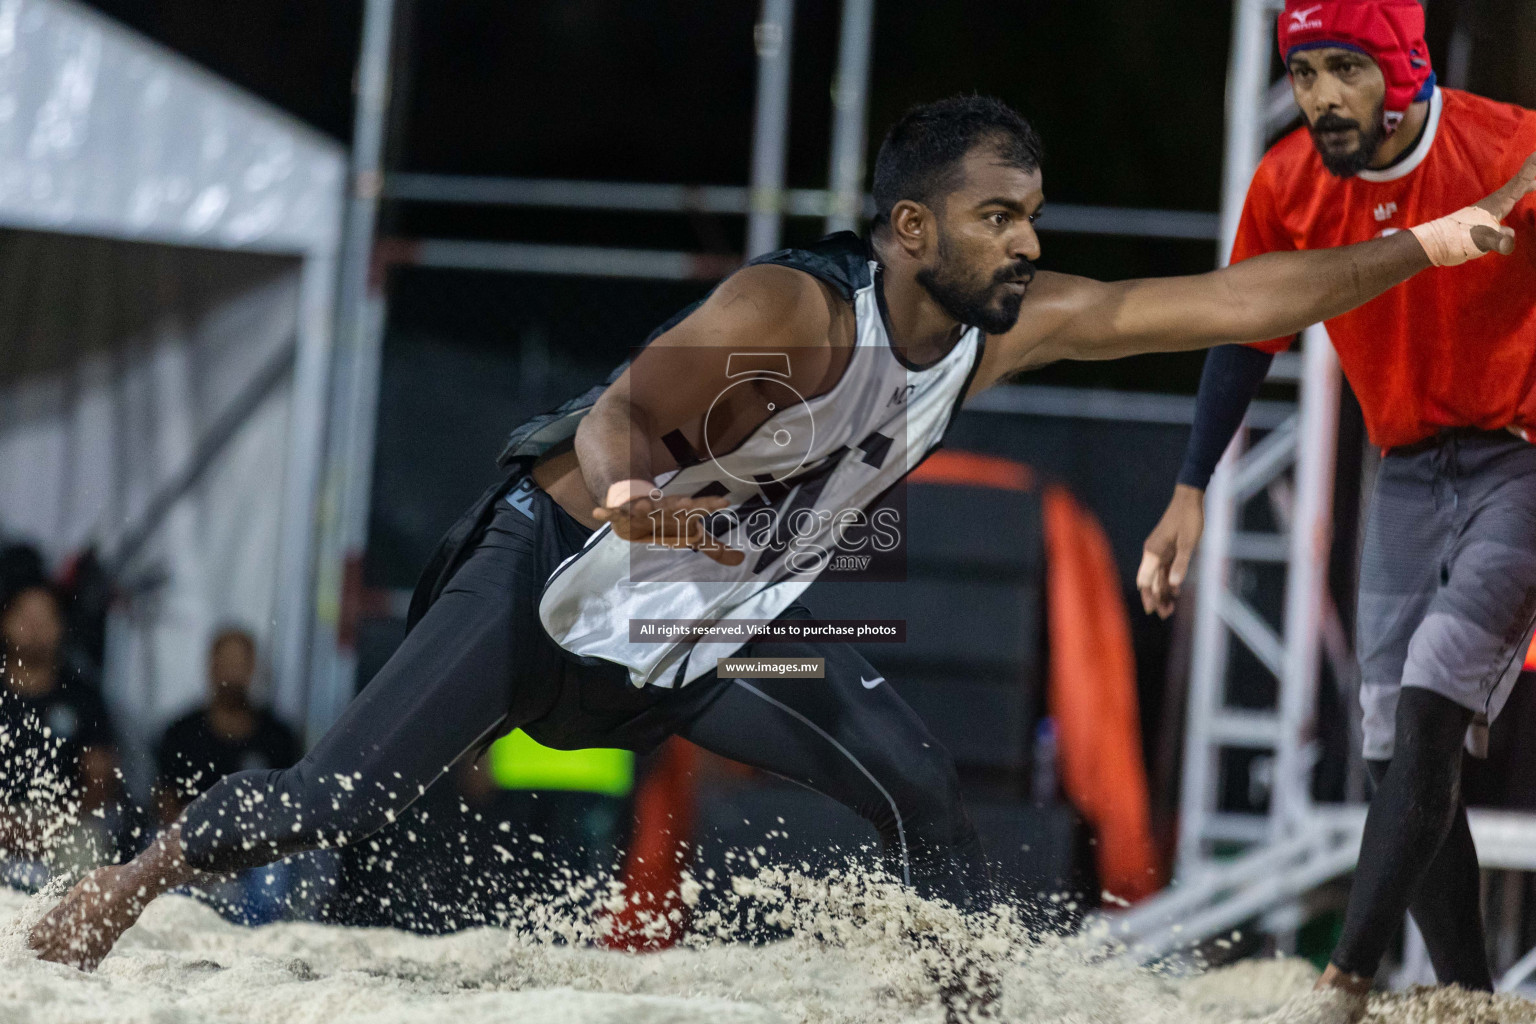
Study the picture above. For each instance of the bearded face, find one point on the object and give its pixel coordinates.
(1347, 146)
(1343, 95)
(987, 298)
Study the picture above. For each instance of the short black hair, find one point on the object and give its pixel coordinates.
(22, 569)
(921, 155)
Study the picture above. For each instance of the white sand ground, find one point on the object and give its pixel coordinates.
(848, 962)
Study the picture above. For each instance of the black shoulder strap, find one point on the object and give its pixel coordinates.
(841, 260)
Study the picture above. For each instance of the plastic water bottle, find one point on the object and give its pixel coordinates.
(1042, 777)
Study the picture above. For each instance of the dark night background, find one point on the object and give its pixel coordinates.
(1128, 96)
(1130, 107)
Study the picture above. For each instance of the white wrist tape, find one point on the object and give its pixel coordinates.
(1448, 241)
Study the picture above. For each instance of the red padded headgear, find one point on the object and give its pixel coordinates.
(1390, 32)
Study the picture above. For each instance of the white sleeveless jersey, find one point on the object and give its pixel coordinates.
(838, 451)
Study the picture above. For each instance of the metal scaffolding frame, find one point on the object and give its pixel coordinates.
(1297, 845)
(774, 38)
(1305, 443)
(346, 483)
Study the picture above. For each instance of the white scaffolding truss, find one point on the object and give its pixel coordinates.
(1306, 443)
(1296, 845)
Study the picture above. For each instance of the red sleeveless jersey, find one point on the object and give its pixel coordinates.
(1454, 346)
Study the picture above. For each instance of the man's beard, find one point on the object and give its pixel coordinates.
(974, 305)
(1347, 165)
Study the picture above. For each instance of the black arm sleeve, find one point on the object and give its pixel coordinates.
(1232, 377)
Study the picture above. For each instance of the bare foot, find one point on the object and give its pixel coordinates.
(86, 924)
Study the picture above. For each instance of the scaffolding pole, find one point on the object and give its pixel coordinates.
(1247, 105)
(648, 197)
(850, 101)
(774, 38)
(294, 615)
(1306, 584)
(355, 392)
(1220, 614)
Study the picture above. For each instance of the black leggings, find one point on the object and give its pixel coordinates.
(479, 663)
(1417, 853)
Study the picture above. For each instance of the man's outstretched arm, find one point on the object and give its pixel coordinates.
(1265, 297)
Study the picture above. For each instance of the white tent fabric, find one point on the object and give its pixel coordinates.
(166, 244)
(116, 359)
(103, 132)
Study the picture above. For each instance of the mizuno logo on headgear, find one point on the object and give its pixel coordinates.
(1299, 18)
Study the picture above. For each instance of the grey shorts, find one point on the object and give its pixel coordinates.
(1447, 578)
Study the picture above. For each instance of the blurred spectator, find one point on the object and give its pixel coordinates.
(84, 595)
(61, 795)
(227, 735)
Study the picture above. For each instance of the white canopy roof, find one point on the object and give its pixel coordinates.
(103, 132)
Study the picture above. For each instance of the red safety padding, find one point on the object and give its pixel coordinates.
(654, 916)
(1091, 692)
(972, 469)
(1091, 686)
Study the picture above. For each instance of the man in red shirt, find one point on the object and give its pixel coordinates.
(1445, 370)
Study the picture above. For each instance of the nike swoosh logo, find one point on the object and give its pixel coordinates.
(870, 684)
